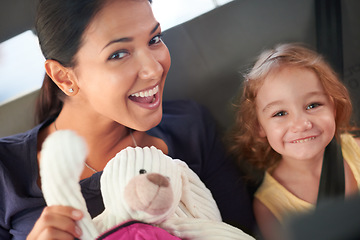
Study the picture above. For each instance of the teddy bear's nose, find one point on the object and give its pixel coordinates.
(158, 179)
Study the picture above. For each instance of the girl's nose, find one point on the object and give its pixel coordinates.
(150, 67)
(301, 124)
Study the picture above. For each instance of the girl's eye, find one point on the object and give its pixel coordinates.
(118, 55)
(280, 114)
(313, 105)
(156, 39)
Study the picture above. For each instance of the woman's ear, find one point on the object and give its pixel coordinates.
(62, 76)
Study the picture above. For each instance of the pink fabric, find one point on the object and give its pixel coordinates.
(137, 231)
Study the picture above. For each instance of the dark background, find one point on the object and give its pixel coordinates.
(210, 52)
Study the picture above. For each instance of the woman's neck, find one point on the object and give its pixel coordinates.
(103, 137)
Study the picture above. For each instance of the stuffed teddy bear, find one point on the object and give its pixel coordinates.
(140, 184)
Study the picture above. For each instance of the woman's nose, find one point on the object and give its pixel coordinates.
(301, 124)
(150, 67)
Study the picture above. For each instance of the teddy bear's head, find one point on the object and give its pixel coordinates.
(150, 193)
(141, 183)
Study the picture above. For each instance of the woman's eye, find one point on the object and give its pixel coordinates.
(313, 105)
(156, 39)
(118, 55)
(280, 114)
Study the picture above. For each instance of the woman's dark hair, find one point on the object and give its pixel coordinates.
(60, 25)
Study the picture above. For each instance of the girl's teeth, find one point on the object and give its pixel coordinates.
(148, 93)
(304, 140)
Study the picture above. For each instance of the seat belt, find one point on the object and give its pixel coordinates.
(332, 179)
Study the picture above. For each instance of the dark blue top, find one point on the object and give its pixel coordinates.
(190, 134)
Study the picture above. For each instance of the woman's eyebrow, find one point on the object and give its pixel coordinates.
(125, 39)
(129, 39)
(155, 28)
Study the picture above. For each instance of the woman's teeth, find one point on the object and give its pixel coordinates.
(303, 140)
(148, 93)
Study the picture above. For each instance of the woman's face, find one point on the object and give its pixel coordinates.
(122, 65)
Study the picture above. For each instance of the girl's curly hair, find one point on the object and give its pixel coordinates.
(245, 142)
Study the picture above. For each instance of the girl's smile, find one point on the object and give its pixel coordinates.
(295, 114)
(303, 140)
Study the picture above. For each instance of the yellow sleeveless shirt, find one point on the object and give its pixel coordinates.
(281, 202)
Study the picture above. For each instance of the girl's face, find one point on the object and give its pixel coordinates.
(295, 113)
(122, 66)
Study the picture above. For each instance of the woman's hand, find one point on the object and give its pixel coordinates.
(57, 222)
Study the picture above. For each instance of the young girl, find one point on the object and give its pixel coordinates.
(292, 106)
(106, 66)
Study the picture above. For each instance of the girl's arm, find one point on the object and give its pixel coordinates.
(268, 225)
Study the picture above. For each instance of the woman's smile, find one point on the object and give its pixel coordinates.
(146, 93)
(149, 98)
(133, 78)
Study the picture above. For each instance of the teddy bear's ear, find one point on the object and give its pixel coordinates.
(61, 163)
(196, 199)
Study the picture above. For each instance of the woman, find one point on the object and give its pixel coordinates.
(106, 67)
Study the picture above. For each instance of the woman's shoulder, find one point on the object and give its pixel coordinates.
(187, 113)
(23, 137)
(16, 141)
(188, 108)
(19, 146)
(186, 117)
(187, 128)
